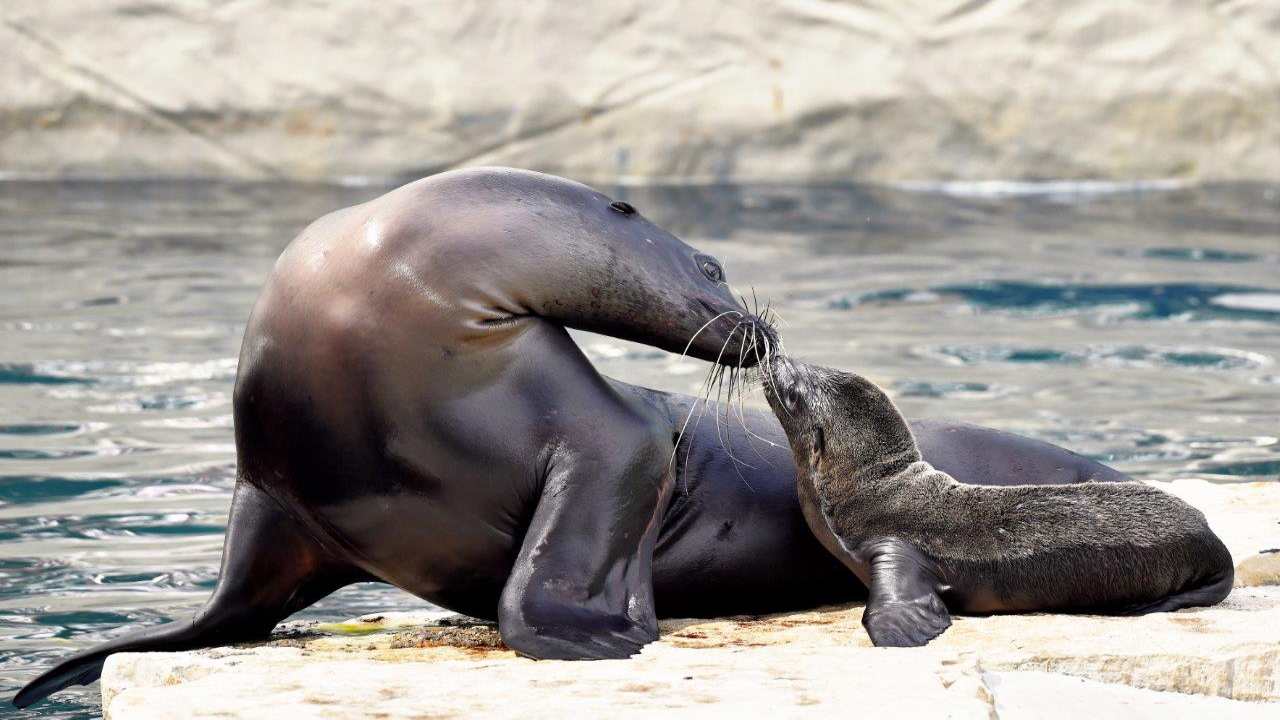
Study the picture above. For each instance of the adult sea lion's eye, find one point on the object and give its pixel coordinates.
(625, 208)
(712, 271)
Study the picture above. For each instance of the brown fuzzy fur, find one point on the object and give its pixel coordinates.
(1103, 547)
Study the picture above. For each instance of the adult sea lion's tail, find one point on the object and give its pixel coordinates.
(271, 568)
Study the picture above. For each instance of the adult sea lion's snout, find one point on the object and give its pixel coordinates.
(758, 341)
(731, 335)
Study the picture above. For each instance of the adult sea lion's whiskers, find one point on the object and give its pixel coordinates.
(683, 354)
(768, 309)
(736, 383)
(683, 479)
(705, 398)
(684, 427)
(743, 420)
(706, 325)
(719, 385)
(719, 379)
(734, 460)
(742, 384)
(769, 352)
(715, 378)
(717, 375)
(689, 449)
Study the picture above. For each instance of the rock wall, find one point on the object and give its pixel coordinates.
(620, 91)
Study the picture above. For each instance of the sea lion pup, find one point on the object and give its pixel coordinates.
(925, 544)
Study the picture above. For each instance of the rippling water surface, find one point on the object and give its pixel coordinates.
(1140, 328)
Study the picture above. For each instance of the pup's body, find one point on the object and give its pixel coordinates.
(924, 543)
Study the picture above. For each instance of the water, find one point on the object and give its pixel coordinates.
(1141, 328)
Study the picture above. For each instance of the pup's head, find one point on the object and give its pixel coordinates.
(837, 422)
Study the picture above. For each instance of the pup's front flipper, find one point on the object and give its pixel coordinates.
(904, 607)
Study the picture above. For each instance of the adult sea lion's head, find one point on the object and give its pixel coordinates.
(563, 251)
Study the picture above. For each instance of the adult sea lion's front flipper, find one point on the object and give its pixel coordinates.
(582, 584)
(904, 603)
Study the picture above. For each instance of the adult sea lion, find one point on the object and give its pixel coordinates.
(410, 409)
(925, 544)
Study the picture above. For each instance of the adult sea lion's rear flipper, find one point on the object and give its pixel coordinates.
(582, 584)
(904, 604)
(270, 569)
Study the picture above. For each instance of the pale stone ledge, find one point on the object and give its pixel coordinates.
(1208, 662)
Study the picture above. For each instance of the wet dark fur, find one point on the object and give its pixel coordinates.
(1098, 547)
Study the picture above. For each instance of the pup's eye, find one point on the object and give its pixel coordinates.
(625, 208)
(713, 271)
(793, 399)
(819, 441)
